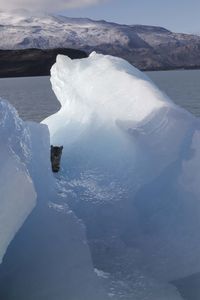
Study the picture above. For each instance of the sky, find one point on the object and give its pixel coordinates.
(175, 15)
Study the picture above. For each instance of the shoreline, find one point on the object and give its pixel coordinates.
(25, 75)
(35, 62)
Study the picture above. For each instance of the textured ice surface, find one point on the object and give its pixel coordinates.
(49, 257)
(17, 192)
(24, 172)
(129, 168)
(101, 89)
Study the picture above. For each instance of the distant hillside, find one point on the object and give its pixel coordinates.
(146, 47)
(32, 62)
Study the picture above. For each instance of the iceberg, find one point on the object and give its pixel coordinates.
(15, 203)
(43, 248)
(121, 218)
(130, 168)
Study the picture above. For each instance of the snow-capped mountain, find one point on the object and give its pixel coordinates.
(21, 32)
(147, 47)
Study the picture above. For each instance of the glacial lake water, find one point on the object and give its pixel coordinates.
(35, 100)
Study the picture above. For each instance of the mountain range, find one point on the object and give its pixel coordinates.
(146, 47)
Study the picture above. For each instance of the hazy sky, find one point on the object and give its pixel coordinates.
(176, 15)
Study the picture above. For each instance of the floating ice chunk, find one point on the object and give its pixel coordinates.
(17, 199)
(60, 266)
(119, 130)
(100, 89)
(17, 192)
(25, 170)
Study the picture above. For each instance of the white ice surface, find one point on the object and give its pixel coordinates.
(17, 192)
(104, 89)
(130, 160)
(25, 175)
(25, 172)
